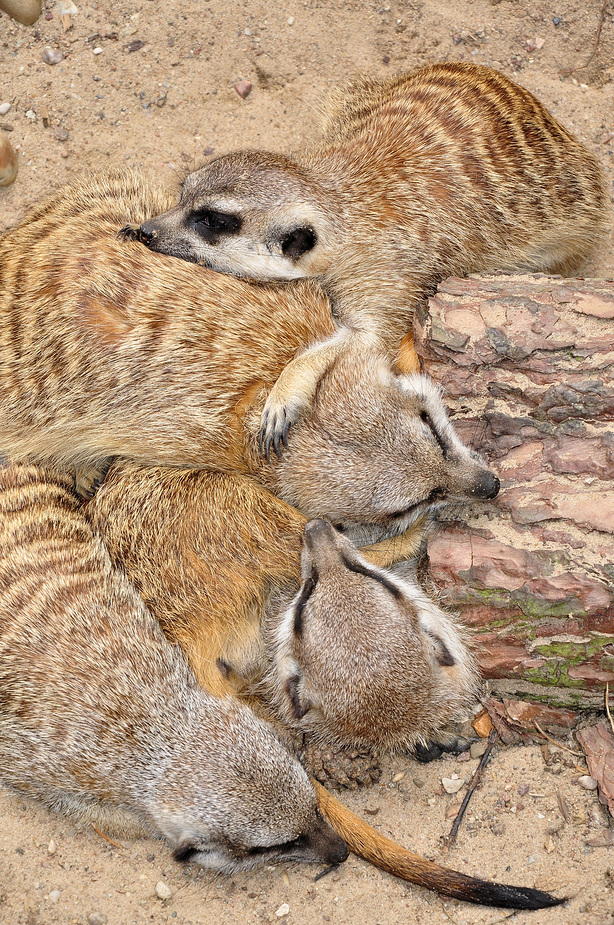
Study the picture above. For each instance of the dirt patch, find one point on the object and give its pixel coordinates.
(152, 84)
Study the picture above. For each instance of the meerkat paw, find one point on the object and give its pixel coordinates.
(129, 232)
(277, 419)
(88, 481)
(455, 745)
(341, 769)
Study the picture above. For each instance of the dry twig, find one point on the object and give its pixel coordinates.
(475, 780)
(554, 742)
(607, 704)
(568, 71)
(106, 837)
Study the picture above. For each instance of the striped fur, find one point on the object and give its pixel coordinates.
(101, 717)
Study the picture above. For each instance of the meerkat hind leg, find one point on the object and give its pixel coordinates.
(294, 390)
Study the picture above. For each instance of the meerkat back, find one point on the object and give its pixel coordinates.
(101, 717)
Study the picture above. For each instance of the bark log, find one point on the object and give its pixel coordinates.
(527, 365)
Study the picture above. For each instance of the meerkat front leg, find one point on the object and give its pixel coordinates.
(294, 390)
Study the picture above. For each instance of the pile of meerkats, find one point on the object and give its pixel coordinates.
(214, 481)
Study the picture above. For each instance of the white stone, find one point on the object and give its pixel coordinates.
(451, 784)
(163, 890)
(4, 108)
(589, 783)
(283, 910)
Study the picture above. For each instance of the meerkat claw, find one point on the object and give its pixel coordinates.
(129, 232)
(274, 432)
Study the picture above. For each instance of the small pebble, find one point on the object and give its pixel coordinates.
(589, 783)
(31, 115)
(397, 777)
(98, 51)
(523, 789)
(51, 847)
(54, 896)
(283, 910)
(4, 108)
(60, 133)
(97, 918)
(451, 784)
(52, 55)
(243, 88)
(557, 20)
(290, 20)
(531, 859)
(8, 162)
(163, 890)
(477, 749)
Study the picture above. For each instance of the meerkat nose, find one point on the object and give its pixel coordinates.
(317, 530)
(487, 485)
(148, 232)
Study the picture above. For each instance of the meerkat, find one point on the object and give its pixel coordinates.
(101, 717)
(448, 170)
(109, 350)
(355, 657)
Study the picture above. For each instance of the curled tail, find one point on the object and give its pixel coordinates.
(366, 842)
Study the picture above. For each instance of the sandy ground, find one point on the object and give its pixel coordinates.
(153, 84)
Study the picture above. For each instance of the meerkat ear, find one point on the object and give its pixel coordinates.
(298, 241)
(442, 653)
(299, 708)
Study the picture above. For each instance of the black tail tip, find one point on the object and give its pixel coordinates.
(522, 897)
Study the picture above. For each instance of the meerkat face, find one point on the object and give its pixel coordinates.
(364, 658)
(245, 802)
(249, 214)
(379, 450)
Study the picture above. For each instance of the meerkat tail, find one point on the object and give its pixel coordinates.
(369, 844)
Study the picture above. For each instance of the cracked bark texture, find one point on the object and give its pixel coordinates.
(527, 365)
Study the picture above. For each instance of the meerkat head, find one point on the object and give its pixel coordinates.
(378, 449)
(363, 658)
(239, 799)
(249, 214)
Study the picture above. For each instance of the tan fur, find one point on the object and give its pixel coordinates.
(109, 350)
(101, 717)
(450, 169)
(218, 560)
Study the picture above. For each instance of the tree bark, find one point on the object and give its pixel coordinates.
(527, 365)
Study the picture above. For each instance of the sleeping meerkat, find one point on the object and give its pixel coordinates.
(358, 658)
(101, 718)
(110, 350)
(450, 169)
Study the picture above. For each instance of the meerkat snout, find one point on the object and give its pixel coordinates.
(487, 485)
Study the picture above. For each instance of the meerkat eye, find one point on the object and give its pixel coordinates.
(381, 579)
(298, 242)
(306, 592)
(427, 419)
(212, 225)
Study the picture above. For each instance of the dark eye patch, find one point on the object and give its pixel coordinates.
(427, 419)
(438, 494)
(212, 225)
(361, 569)
(298, 242)
(305, 593)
